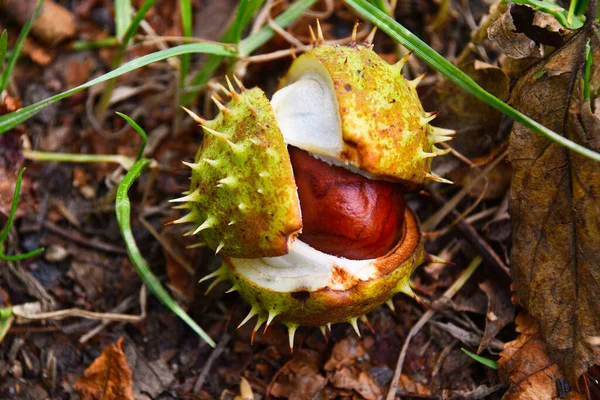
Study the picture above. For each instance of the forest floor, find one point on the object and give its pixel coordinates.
(144, 350)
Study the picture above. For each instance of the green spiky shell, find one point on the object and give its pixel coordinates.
(242, 196)
(326, 306)
(386, 133)
(385, 130)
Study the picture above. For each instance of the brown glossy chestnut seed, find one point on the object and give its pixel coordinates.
(346, 214)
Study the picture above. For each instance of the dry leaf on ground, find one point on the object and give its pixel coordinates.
(520, 31)
(300, 378)
(509, 39)
(555, 206)
(527, 368)
(108, 377)
(345, 371)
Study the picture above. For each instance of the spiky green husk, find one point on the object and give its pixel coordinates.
(385, 130)
(242, 197)
(326, 306)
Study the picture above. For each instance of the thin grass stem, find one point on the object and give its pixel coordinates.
(9, 223)
(125, 162)
(123, 210)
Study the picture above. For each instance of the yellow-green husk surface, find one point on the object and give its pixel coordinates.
(385, 130)
(326, 306)
(242, 196)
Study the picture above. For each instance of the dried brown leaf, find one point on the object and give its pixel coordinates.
(108, 377)
(555, 207)
(520, 33)
(507, 37)
(527, 368)
(346, 370)
(353, 379)
(300, 378)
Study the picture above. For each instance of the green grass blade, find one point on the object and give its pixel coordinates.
(11, 120)
(124, 38)
(439, 63)
(587, 92)
(253, 42)
(186, 25)
(3, 47)
(136, 21)
(244, 15)
(6, 312)
(123, 210)
(13, 207)
(94, 44)
(122, 17)
(485, 361)
(12, 61)
(380, 4)
(571, 13)
(580, 6)
(9, 222)
(245, 12)
(5, 322)
(139, 130)
(210, 66)
(19, 257)
(250, 44)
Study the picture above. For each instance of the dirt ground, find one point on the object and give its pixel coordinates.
(68, 208)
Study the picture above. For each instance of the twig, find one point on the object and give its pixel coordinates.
(33, 287)
(473, 237)
(301, 49)
(448, 294)
(329, 9)
(76, 237)
(458, 155)
(471, 219)
(262, 16)
(128, 302)
(433, 221)
(153, 39)
(123, 161)
(211, 359)
(284, 34)
(22, 313)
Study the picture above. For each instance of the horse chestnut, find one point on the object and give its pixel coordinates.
(303, 194)
(343, 213)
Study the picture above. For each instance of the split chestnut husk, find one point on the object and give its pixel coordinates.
(303, 195)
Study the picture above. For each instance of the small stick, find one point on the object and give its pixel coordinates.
(448, 294)
(76, 237)
(211, 359)
(473, 237)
